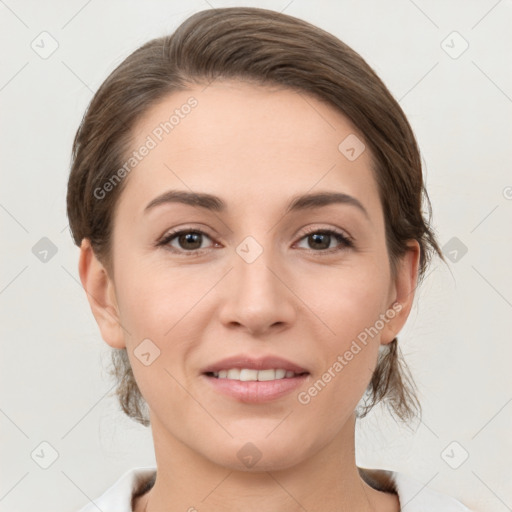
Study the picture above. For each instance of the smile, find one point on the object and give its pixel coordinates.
(248, 386)
(249, 374)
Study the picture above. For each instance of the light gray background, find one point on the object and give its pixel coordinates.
(54, 382)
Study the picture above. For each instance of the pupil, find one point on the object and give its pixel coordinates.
(191, 237)
(318, 237)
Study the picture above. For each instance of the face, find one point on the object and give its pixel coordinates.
(260, 276)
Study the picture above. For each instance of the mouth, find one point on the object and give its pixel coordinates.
(251, 375)
(254, 380)
(250, 386)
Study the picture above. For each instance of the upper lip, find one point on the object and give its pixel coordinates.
(260, 363)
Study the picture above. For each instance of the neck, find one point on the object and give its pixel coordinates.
(329, 480)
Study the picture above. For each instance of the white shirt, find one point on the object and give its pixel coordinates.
(412, 494)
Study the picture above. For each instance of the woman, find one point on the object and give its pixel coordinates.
(247, 198)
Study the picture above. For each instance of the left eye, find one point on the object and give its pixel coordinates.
(322, 239)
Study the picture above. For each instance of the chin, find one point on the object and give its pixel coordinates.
(261, 453)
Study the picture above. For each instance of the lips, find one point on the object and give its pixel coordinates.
(256, 392)
(253, 363)
(245, 388)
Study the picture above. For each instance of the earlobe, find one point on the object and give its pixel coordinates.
(404, 287)
(101, 295)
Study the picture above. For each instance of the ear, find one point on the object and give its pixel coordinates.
(402, 292)
(101, 295)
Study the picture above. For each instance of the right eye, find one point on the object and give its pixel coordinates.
(188, 240)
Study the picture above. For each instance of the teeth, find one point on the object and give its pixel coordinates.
(266, 375)
(246, 374)
(234, 373)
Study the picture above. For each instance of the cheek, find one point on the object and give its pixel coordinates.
(349, 303)
(153, 306)
(160, 310)
(153, 298)
(348, 300)
(350, 353)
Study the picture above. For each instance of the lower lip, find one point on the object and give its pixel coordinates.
(256, 391)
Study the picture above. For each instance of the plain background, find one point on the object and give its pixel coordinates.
(55, 386)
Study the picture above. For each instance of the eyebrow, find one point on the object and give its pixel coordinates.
(216, 204)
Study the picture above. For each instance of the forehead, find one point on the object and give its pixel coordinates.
(249, 144)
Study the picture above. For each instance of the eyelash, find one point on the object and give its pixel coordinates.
(346, 241)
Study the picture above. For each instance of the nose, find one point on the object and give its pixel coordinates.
(258, 296)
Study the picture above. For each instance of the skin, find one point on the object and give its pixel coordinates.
(255, 147)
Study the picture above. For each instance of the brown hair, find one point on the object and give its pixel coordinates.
(266, 48)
